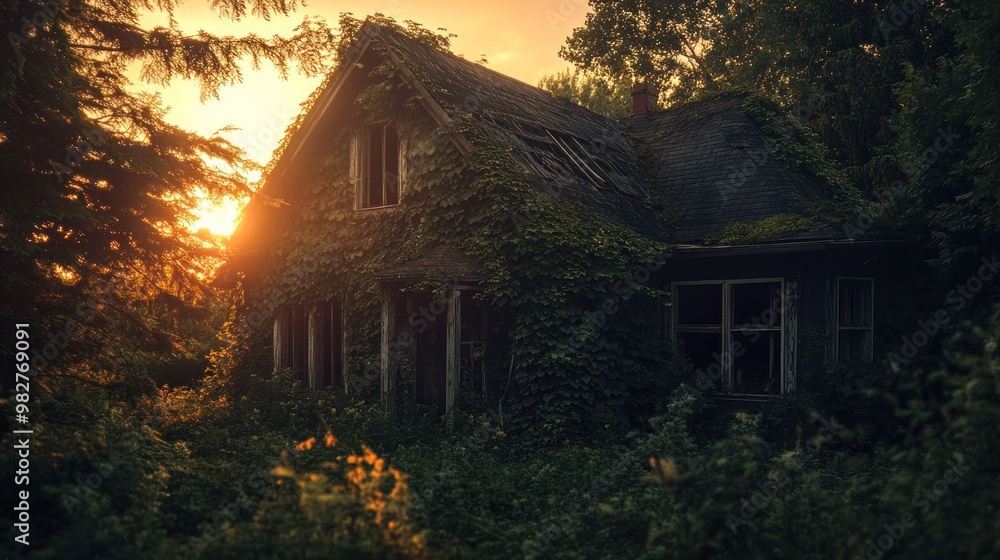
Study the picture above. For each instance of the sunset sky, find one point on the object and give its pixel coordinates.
(518, 38)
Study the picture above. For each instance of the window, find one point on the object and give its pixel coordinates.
(290, 340)
(853, 317)
(308, 340)
(326, 346)
(733, 333)
(472, 359)
(376, 166)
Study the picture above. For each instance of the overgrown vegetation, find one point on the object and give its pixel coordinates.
(895, 460)
(550, 270)
(286, 473)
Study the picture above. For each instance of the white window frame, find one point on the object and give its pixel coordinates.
(836, 317)
(359, 166)
(727, 327)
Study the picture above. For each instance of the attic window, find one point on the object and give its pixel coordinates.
(375, 162)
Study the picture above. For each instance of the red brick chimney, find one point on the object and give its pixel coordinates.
(643, 98)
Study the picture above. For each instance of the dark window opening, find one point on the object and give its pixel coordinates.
(472, 359)
(732, 334)
(291, 340)
(854, 320)
(755, 337)
(699, 304)
(757, 366)
(380, 181)
(329, 340)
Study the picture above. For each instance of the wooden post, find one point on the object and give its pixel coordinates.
(453, 350)
(388, 348)
(340, 320)
(276, 341)
(314, 361)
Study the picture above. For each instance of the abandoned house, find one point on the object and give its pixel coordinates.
(436, 232)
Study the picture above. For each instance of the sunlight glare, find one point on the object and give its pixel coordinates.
(219, 217)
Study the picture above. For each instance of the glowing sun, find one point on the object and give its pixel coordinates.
(219, 217)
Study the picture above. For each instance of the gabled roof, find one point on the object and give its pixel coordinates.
(710, 165)
(715, 167)
(567, 150)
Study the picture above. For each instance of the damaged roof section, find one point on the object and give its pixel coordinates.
(566, 150)
(681, 175)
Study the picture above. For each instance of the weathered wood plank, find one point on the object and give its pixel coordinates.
(388, 371)
(453, 350)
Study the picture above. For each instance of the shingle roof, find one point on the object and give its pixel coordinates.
(716, 167)
(710, 164)
(567, 150)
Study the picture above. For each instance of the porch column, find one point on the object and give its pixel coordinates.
(388, 350)
(315, 347)
(453, 350)
(276, 346)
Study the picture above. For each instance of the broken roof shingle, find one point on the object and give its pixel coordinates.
(567, 150)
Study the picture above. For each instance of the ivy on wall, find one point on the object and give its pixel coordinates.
(568, 289)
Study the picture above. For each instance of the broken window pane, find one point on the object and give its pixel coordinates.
(757, 368)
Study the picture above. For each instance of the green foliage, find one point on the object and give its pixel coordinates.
(764, 229)
(834, 64)
(947, 146)
(286, 473)
(559, 280)
(597, 94)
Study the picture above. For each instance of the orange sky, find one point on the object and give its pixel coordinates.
(519, 38)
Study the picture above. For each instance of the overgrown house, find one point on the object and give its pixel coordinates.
(438, 233)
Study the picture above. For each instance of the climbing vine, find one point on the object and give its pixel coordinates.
(568, 290)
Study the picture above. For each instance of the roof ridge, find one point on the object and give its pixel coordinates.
(477, 67)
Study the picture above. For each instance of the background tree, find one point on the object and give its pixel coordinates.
(948, 191)
(96, 183)
(597, 94)
(832, 63)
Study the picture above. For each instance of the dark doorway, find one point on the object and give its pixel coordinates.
(430, 326)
